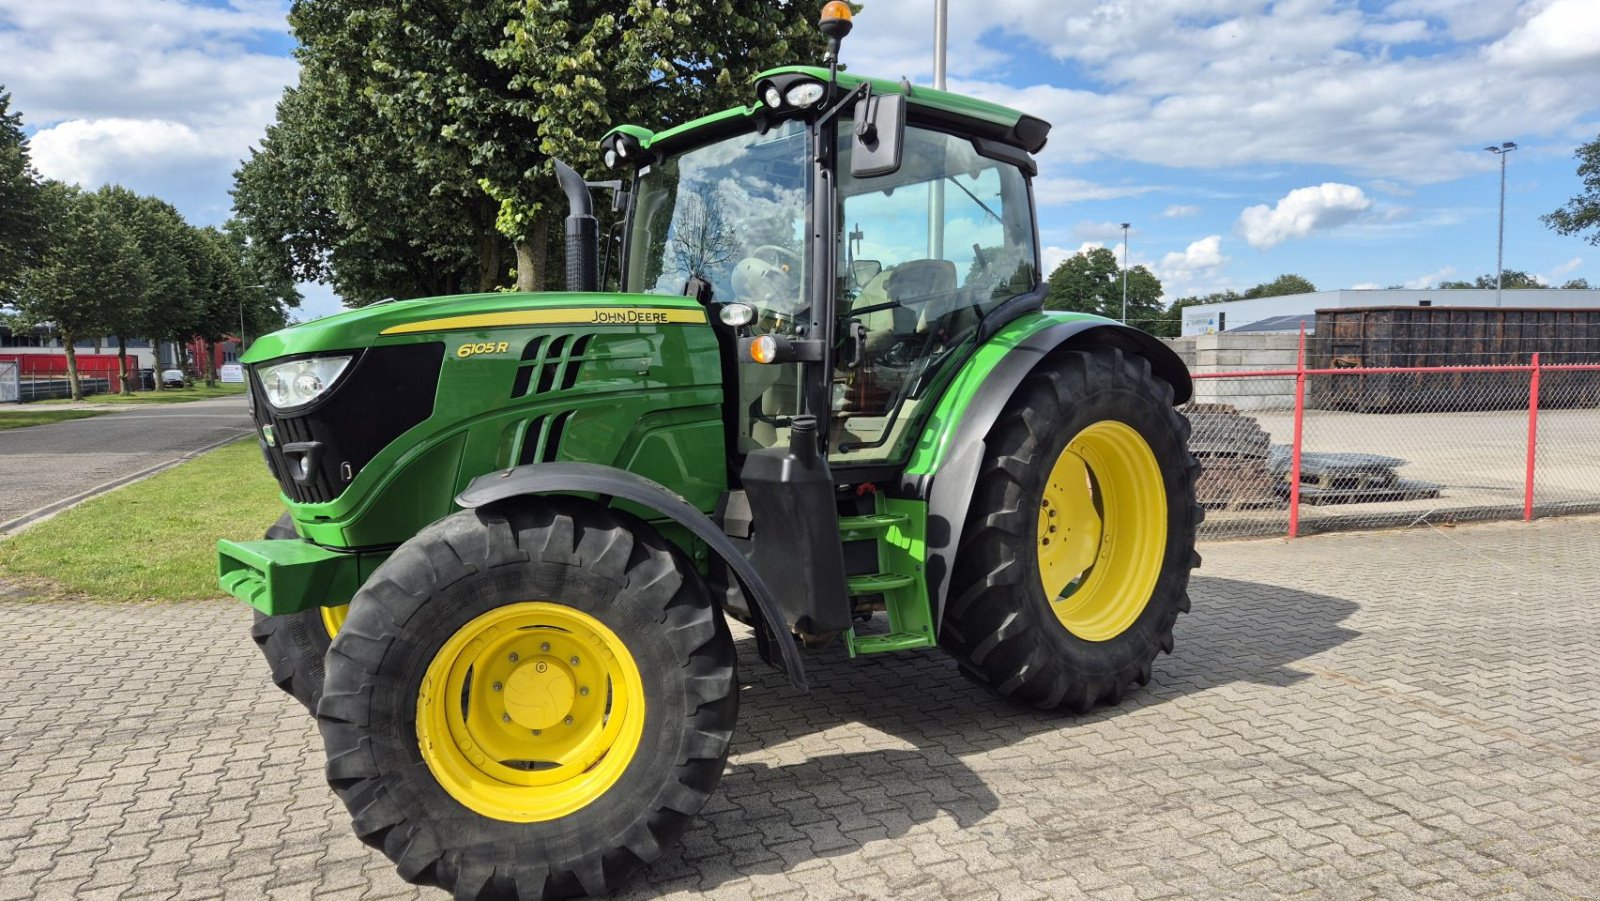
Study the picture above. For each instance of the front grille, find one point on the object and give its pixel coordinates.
(320, 450)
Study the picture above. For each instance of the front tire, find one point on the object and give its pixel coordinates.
(1075, 558)
(529, 701)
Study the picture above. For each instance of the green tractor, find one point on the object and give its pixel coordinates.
(825, 403)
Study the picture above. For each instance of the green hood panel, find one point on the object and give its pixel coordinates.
(466, 314)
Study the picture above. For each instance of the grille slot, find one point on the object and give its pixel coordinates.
(541, 438)
(550, 364)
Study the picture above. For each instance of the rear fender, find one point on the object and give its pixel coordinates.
(944, 470)
(606, 481)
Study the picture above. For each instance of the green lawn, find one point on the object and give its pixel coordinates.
(164, 396)
(23, 418)
(155, 539)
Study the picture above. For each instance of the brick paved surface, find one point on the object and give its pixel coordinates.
(1411, 714)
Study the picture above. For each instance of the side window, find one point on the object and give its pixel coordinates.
(924, 254)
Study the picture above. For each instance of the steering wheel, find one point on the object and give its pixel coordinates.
(778, 256)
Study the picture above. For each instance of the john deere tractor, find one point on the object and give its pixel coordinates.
(825, 403)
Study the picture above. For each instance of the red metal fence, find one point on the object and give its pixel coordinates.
(1298, 450)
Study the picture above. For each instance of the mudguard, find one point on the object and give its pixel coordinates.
(591, 478)
(944, 470)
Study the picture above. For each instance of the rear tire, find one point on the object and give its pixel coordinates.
(295, 643)
(450, 657)
(1096, 431)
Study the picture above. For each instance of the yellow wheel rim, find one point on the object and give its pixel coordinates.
(1102, 531)
(530, 712)
(333, 618)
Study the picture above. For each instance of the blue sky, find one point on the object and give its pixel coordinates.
(1242, 139)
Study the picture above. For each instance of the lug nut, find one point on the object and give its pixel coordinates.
(545, 647)
(568, 720)
(498, 686)
(584, 691)
(514, 657)
(574, 661)
(505, 717)
(538, 732)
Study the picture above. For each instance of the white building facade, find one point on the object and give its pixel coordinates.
(1239, 314)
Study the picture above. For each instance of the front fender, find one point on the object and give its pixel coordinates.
(591, 478)
(944, 467)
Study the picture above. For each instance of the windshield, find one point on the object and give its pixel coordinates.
(732, 213)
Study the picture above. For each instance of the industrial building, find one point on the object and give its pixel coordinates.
(1286, 313)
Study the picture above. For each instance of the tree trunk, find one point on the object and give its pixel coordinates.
(533, 256)
(122, 365)
(72, 365)
(488, 260)
(210, 367)
(157, 345)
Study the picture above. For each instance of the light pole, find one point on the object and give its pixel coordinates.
(941, 28)
(1500, 254)
(1125, 273)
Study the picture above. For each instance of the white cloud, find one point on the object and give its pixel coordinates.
(1566, 268)
(1242, 83)
(1052, 191)
(1365, 286)
(1101, 231)
(165, 96)
(1179, 211)
(1301, 212)
(1431, 279)
(1179, 271)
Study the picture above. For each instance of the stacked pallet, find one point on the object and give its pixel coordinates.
(1341, 478)
(1233, 452)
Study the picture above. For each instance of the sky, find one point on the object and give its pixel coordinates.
(1341, 140)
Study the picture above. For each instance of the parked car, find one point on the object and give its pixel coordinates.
(173, 378)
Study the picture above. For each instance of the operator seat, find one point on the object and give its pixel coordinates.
(908, 287)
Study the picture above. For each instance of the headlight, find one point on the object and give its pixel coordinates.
(804, 94)
(736, 314)
(771, 96)
(299, 382)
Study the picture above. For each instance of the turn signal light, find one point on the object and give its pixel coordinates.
(764, 349)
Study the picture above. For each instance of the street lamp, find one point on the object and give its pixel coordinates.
(1500, 255)
(1125, 273)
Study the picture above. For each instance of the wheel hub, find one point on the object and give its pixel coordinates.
(539, 693)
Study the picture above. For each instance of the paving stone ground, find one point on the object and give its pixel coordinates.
(1409, 714)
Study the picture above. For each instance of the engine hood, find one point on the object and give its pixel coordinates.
(469, 314)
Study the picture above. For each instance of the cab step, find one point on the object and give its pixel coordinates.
(869, 526)
(878, 583)
(883, 644)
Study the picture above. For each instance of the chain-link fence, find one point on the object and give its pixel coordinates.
(1301, 450)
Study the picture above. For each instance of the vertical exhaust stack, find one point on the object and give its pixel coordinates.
(583, 231)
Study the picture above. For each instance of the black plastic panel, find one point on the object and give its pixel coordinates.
(387, 391)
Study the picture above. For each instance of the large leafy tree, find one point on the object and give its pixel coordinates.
(332, 195)
(22, 224)
(1091, 282)
(1582, 213)
(472, 99)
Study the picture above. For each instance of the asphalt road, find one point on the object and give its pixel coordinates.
(44, 465)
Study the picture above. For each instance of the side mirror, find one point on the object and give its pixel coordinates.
(879, 134)
(864, 271)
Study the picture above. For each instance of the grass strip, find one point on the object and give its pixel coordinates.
(155, 539)
(24, 418)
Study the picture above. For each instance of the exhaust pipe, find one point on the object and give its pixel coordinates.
(583, 231)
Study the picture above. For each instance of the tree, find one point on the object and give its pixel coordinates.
(166, 302)
(331, 196)
(1582, 212)
(1581, 284)
(22, 226)
(476, 96)
(1280, 286)
(1511, 278)
(1091, 282)
(91, 267)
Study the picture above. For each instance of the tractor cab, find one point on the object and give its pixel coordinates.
(855, 235)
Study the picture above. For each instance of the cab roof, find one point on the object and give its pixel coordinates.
(962, 113)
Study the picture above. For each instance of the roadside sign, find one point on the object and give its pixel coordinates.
(232, 373)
